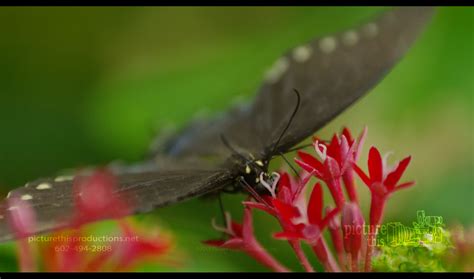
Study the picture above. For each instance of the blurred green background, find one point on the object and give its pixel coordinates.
(85, 86)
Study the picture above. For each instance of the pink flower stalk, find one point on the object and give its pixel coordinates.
(382, 182)
(334, 227)
(352, 224)
(95, 198)
(241, 237)
(21, 219)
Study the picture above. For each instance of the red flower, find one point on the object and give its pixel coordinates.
(308, 225)
(241, 237)
(310, 222)
(335, 162)
(382, 181)
(299, 218)
(95, 198)
(285, 203)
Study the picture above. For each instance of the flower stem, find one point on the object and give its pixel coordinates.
(377, 206)
(336, 238)
(256, 251)
(348, 178)
(301, 256)
(368, 254)
(334, 186)
(25, 254)
(355, 262)
(325, 256)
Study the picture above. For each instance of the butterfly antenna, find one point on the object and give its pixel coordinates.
(233, 150)
(289, 164)
(298, 101)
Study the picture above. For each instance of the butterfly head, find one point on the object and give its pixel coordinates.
(252, 171)
(255, 174)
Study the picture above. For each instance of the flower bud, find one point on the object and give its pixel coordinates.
(352, 228)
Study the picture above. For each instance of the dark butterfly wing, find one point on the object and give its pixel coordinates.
(330, 73)
(52, 200)
(333, 72)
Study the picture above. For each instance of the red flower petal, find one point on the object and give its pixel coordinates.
(393, 178)
(214, 242)
(286, 212)
(237, 228)
(329, 216)
(405, 185)
(334, 148)
(310, 163)
(260, 206)
(315, 205)
(289, 235)
(233, 243)
(347, 134)
(284, 182)
(362, 175)
(375, 165)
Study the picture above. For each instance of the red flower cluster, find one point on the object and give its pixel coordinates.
(303, 220)
(69, 250)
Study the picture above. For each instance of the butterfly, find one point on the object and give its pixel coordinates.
(234, 150)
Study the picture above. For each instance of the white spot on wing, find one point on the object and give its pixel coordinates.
(328, 44)
(302, 53)
(350, 38)
(27, 197)
(44, 186)
(1, 217)
(370, 29)
(277, 70)
(63, 178)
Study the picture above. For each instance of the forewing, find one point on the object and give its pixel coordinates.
(330, 73)
(52, 200)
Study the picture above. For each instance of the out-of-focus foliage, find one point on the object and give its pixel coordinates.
(82, 86)
(422, 258)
